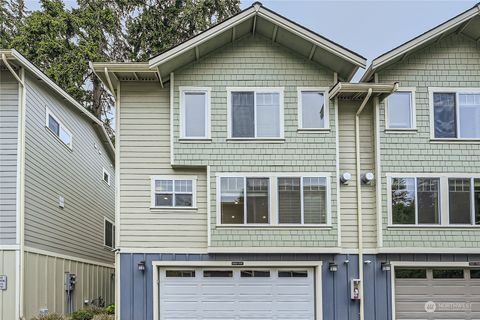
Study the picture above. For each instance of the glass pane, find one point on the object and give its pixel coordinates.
(232, 199)
(183, 186)
(108, 234)
(106, 177)
(313, 110)
(459, 197)
(315, 200)
(289, 200)
(403, 200)
(268, 115)
(410, 273)
(444, 115)
(254, 274)
(400, 110)
(292, 274)
(163, 200)
(475, 273)
(218, 273)
(163, 186)
(428, 192)
(65, 137)
(183, 200)
(448, 274)
(195, 114)
(469, 105)
(477, 200)
(180, 273)
(257, 200)
(243, 118)
(53, 125)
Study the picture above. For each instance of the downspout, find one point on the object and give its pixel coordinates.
(21, 185)
(359, 200)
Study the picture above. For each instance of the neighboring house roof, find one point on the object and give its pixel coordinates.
(256, 19)
(19, 60)
(466, 23)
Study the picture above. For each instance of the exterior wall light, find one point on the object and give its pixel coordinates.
(141, 266)
(333, 267)
(345, 177)
(368, 177)
(386, 266)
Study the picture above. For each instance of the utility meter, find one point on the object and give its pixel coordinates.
(70, 279)
(355, 289)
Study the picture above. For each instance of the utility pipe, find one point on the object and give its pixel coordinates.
(359, 200)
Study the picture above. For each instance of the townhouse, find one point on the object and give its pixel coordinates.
(255, 181)
(57, 193)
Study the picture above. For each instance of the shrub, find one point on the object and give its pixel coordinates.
(52, 316)
(104, 317)
(82, 314)
(110, 309)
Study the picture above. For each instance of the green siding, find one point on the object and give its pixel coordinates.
(453, 62)
(254, 61)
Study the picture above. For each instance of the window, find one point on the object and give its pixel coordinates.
(254, 274)
(461, 201)
(313, 109)
(195, 113)
(456, 115)
(244, 200)
(474, 273)
(106, 176)
(218, 273)
(58, 129)
(302, 200)
(180, 273)
(109, 234)
(448, 274)
(256, 113)
(293, 274)
(415, 201)
(400, 110)
(177, 192)
(410, 273)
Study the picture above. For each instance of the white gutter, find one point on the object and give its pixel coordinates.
(359, 200)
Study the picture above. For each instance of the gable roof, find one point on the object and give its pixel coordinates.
(466, 23)
(20, 60)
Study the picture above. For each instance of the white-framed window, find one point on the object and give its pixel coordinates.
(433, 200)
(174, 192)
(58, 129)
(273, 199)
(400, 110)
(194, 113)
(313, 108)
(455, 113)
(108, 233)
(106, 176)
(255, 113)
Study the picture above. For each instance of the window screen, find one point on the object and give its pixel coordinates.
(399, 108)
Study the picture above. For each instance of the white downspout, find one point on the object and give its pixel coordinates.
(359, 200)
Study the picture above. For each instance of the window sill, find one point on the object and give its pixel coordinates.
(466, 141)
(319, 130)
(399, 130)
(271, 226)
(187, 140)
(163, 209)
(256, 140)
(433, 227)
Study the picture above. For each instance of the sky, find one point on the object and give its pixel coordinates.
(369, 28)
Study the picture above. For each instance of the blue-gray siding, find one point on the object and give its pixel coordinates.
(8, 156)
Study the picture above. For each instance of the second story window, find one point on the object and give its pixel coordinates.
(173, 192)
(456, 115)
(313, 109)
(109, 234)
(195, 113)
(400, 110)
(58, 129)
(106, 176)
(256, 113)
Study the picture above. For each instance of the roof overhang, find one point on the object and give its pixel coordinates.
(17, 60)
(358, 91)
(466, 23)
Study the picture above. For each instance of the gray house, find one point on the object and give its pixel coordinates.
(57, 193)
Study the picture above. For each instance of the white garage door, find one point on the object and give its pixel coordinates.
(437, 293)
(213, 293)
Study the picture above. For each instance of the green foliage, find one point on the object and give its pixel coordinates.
(104, 317)
(82, 314)
(110, 309)
(52, 316)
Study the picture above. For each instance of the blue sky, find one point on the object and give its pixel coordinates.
(369, 28)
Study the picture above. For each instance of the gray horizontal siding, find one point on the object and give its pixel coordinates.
(8, 156)
(53, 170)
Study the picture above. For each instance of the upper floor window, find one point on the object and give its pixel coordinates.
(108, 233)
(312, 108)
(58, 129)
(456, 115)
(255, 113)
(173, 192)
(106, 176)
(195, 113)
(401, 110)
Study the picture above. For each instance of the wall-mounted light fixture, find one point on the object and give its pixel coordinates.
(368, 177)
(386, 266)
(333, 267)
(141, 266)
(345, 177)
